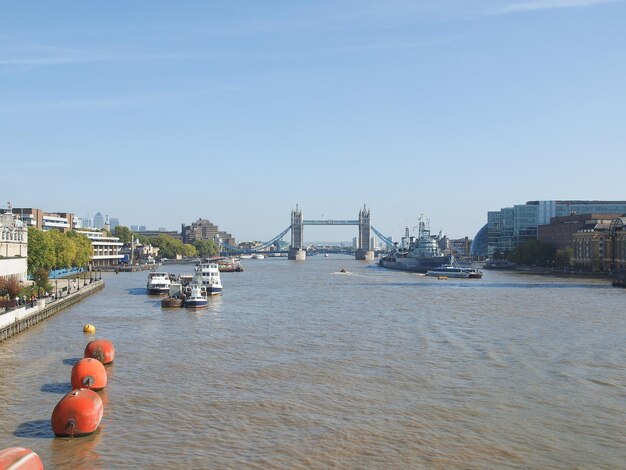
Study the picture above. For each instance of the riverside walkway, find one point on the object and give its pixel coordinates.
(21, 318)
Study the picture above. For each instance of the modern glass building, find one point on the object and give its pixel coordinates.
(510, 226)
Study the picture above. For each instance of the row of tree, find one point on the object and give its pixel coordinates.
(57, 250)
(168, 247)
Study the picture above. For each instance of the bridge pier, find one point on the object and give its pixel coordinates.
(296, 254)
(364, 255)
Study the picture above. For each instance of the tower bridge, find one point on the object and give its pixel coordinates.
(297, 251)
(363, 249)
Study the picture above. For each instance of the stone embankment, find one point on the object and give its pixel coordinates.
(19, 319)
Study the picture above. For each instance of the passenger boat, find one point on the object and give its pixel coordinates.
(258, 256)
(196, 294)
(210, 275)
(158, 283)
(454, 270)
(416, 254)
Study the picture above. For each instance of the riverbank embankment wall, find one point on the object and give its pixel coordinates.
(19, 319)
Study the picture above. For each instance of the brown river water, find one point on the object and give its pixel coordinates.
(300, 366)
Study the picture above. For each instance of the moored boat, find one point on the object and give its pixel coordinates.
(158, 283)
(227, 264)
(210, 275)
(196, 293)
(175, 297)
(416, 254)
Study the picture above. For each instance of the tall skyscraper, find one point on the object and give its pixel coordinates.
(98, 220)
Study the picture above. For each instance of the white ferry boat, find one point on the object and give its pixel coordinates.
(158, 283)
(196, 294)
(454, 270)
(210, 275)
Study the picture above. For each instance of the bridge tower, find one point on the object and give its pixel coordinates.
(364, 249)
(296, 251)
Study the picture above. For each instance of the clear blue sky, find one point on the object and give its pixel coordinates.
(161, 112)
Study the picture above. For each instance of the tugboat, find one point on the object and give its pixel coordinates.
(418, 255)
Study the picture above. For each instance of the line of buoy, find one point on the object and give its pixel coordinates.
(80, 411)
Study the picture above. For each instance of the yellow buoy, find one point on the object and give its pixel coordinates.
(89, 328)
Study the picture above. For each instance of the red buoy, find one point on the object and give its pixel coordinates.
(19, 458)
(89, 373)
(101, 349)
(78, 413)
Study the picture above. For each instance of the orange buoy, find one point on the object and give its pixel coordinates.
(101, 349)
(89, 373)
(19, 458)
(78, 413)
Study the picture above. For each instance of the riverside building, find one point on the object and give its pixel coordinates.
(13, 246)
(106, 250)
(42, 220)
(203, 229)
(600, 246)
(510, 226)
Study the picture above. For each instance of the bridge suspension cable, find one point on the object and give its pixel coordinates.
(257, 248)
(388, 241)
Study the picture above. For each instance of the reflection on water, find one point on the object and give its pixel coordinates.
(298, 365)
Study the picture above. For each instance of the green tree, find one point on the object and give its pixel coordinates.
(83, 247)
(189, 251)
(41, 251)
(206, 248)
(40, 279)
(64, 252)
(123, 233)
(534, 253)
(563, 257)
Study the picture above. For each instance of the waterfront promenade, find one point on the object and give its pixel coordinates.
(21, 318)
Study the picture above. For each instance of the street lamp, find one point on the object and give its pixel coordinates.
(56, 289)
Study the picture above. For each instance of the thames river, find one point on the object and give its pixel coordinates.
(300, 366)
